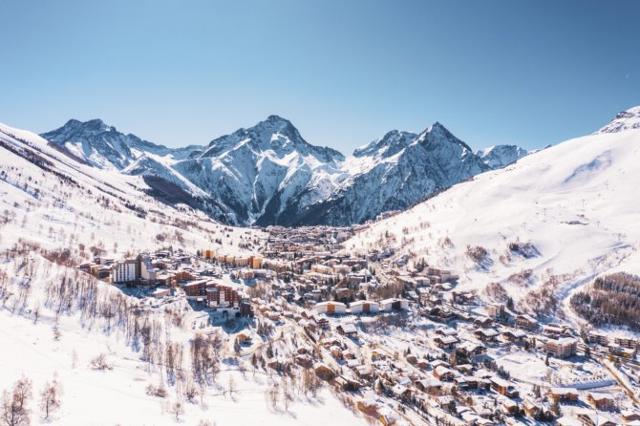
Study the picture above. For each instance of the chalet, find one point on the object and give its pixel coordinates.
(344, 294)
(486, 335)
(330, 308)
(526, 322)
(304, 360)
(514, 336)
(509, 406)
(602, 402)
(446, 342)
(440, 313)
(363, 372)
(166, 279)
(183, 275)
(558, 395)
(347, 383)
(422, 363)
(482, 321)
(348, 330)
(561, 348)
(503, 387)
(429, 386)
(532, 409)
(589, 418)
(472, 351)
(554, 331)
(443, 373)
(343, 270)
(363, 307)
(465, 383)
(402, 392)
(321, 322)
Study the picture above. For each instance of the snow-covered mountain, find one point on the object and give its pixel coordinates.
(269, 174)
(260, 171)
(392, 173)
(540, 229)
(625, 120)
(499, 156)
(103, 146)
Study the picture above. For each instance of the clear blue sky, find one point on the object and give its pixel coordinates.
(344, 72)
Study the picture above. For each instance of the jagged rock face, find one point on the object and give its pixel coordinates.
(499, 156)
(625, 120)
(260, 171)
(387, 146)
(400, 170)
(268, 174)
(103, 146)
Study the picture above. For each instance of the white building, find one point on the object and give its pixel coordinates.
(394, 304)
(126, 272)
(364, 307)
(147, 270)
(330, 308)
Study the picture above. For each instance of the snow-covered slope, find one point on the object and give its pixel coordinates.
(499, 156)
(53, 200)
(625, 120)
(553, 220)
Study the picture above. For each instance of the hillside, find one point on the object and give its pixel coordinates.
(540, 228)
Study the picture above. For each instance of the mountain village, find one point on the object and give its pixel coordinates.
(395, 337)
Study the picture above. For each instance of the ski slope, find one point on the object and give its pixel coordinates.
(576, 202)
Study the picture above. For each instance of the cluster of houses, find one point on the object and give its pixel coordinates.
(164, 273)
(449, 373)
(454, 376)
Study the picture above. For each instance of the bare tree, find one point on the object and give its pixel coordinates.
(50, 398)
(14, 406)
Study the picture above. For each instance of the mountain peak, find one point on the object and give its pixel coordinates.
(628, 119)
(95, 125)
(498, 156)
(391, 143)
(437, 134)
(274, 118)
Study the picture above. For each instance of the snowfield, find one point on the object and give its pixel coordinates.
(570, 213)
